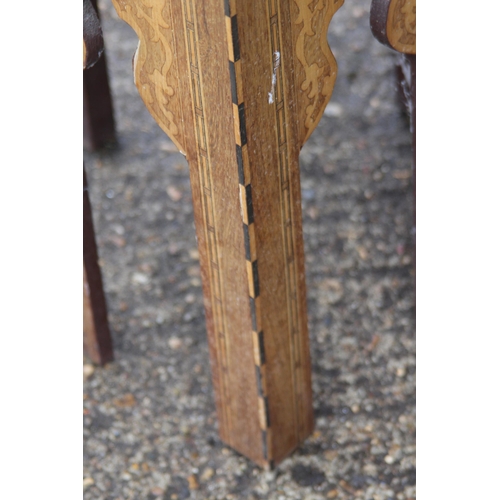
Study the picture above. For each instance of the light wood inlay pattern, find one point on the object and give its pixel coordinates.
(316, 78)
(155, 71)
(240, 86)
(402, 25)
(394, 23)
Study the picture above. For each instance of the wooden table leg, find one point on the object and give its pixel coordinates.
(239, 86)
(96, 335)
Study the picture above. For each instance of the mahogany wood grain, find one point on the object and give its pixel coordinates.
(239, 86)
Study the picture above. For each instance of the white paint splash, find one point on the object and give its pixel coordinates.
(277, 60)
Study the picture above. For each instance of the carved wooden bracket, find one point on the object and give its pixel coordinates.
(239, 86)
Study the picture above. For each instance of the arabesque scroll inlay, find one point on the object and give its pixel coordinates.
(153, 59)
(319, 65)
(402, 25)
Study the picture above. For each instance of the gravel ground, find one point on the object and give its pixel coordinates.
(150, 430)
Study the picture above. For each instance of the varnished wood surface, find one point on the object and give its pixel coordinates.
(394, 23)
(239, 87)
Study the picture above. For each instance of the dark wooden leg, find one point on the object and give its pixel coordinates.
(406, 70)
(98, 121)
(96, 335)
(411, 74)
(401, 90)
(394, 23)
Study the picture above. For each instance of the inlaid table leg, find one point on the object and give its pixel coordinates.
(239, 86)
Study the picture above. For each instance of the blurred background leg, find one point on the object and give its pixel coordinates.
(98, 121)
(96, 335)
(394, 24)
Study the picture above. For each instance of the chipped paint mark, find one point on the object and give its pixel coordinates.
(277, 61)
